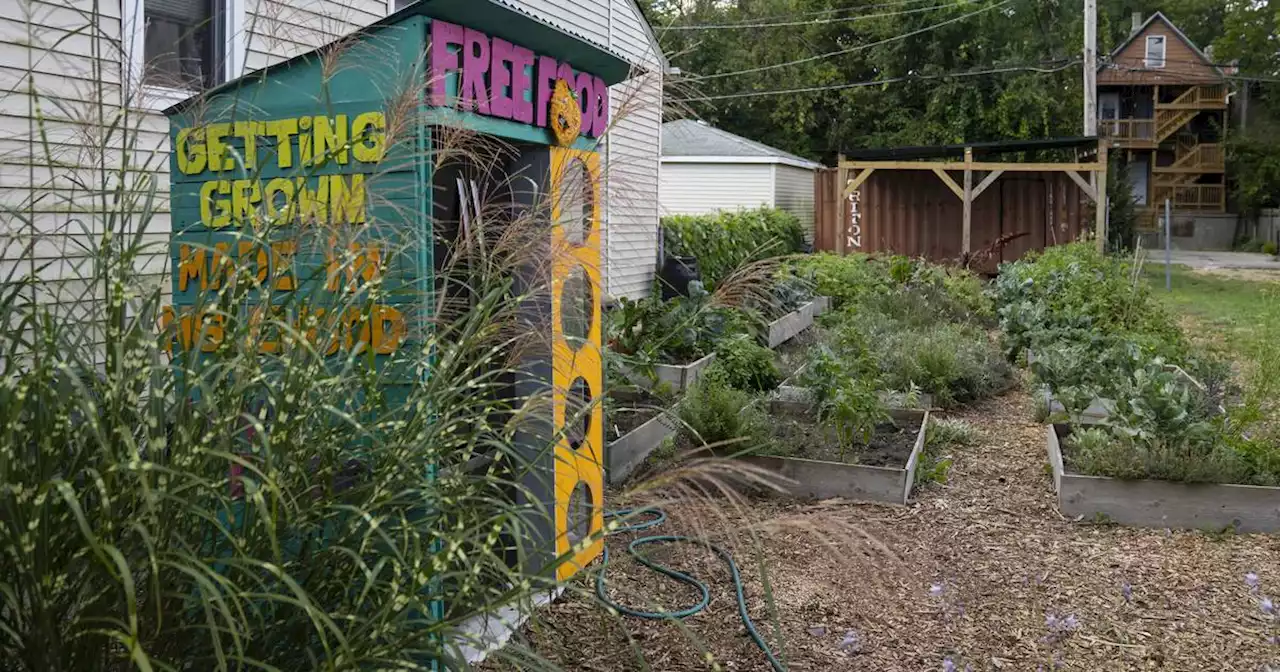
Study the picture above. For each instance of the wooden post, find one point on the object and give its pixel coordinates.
(968, 201)
(1100, 189)
(842, 178)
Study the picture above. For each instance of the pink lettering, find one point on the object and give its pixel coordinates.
(586, 102)
(475, 63)
(443, 59)
(546, 84)
(522, 84)
(566, 73)
(601, 111)
(501, 102)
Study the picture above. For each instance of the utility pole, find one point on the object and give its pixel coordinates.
(1090, 67)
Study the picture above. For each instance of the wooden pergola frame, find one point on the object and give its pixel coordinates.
(854, 173)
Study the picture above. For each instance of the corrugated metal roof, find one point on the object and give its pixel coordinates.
(687, 137)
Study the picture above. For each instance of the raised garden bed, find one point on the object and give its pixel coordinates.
(885, 471)
(786, 327)
(629, 451)
(821, 304)
(1160, 504)
(678, 377)
(793, 399)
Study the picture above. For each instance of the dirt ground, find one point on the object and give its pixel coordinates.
(970, 571)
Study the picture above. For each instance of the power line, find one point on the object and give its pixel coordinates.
(816, 22)
(891, 80)
(860, 47)
(821, 12)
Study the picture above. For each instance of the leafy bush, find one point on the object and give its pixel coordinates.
(713, 412)
(906, 324)
(792, 289)
(678, 331)
(726, 241)
(746, 365)
(1250, 245)
(854, 409)
(954, 362)
(1270, 248)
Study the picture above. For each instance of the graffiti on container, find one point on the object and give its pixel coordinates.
(854, 234)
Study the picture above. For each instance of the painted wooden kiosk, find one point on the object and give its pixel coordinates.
(320, 174)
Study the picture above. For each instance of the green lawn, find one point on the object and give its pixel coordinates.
(1243, 315)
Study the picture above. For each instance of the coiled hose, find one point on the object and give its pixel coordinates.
(659, 517)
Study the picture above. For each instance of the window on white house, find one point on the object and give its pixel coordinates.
(185, 43)
(1155, 51)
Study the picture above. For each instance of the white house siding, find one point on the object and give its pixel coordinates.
(793, 192)
(635, 150)
(278, 29)
(704, 188)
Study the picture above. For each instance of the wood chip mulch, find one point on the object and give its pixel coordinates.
(971, 570)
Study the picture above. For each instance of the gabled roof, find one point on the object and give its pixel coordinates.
(690, 141)
(1159, 16)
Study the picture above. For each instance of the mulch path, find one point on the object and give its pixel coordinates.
(855, 586)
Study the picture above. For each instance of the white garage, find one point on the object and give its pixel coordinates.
(705, 169)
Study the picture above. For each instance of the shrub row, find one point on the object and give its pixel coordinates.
(726, 241)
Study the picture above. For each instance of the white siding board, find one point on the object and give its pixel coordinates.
(588, 18)
(793, 192)
(705, 188)
(634, 147)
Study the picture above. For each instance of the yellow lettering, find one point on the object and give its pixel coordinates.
(304, 141)
(223, 265)
(211, 332)
(223, 218)
(330, 140)
(191, 266)
(313, 206)
(190, 151)
(216, 148)
(282, 252)
(283, 130)
(206, 201)
(368, 137)
(248, 132)
(167, 318)
(346, 205)
(260, 263)
(279, 198)
(244, 194)
(388, 329)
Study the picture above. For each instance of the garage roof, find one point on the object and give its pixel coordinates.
(691, 141)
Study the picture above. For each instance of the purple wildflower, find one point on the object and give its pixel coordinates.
(1127, 591)
(1268, 607)
(935, 590)
(1251, 580)
(851, 642)
(948, 666)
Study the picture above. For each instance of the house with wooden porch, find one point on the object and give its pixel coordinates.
(1162, 102)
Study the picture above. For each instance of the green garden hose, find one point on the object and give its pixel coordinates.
(659, 517)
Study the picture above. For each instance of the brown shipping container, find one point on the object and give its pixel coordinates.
(912, 212)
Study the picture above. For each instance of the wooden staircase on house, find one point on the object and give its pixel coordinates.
(1172, 116)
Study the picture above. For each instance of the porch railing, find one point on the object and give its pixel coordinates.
(1127, 129)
